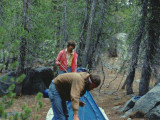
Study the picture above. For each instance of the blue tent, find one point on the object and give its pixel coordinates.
(89, 112)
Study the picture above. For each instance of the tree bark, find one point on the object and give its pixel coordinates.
(1, 12)
(89, 31)
(65, 22)
(23, 46)
(136, 44)
(82, 35)
(152, 42)
(97, 43)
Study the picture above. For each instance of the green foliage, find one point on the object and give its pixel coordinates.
(20, 78)
(39, 101)
(7, 101)
(45, 24)
(27, 113)
(45, 35)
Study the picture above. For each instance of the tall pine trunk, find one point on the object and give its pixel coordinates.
(152, 42)
(1, 13)
(135, 51)
(89, 31)
(97, 42)
(65, 22)
(82, 35)
(23, 46)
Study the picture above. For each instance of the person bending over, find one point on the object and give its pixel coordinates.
(70, 87)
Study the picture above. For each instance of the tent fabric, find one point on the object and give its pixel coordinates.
(90, 111)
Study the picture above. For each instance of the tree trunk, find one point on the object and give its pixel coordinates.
(97, 43)
(88, 39)
(23, 46)
(65, 22)
(136, 44)
(82, 35)
(152, 42)
(1, 12)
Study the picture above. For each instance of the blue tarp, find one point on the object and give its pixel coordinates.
(89, 112)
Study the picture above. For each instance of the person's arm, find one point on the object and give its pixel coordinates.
(58, 63)
(76, 117)
(58, 58)
(76, 88)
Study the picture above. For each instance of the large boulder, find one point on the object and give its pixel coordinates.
(148, 101)
(154, 114)
(148, 105)
(5, 81)
(37, 80)
(128, 105)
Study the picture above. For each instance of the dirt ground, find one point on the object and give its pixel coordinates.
(110, 96)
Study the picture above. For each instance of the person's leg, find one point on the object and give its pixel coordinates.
(56, 103)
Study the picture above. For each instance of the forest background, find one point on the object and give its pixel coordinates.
(34, 31)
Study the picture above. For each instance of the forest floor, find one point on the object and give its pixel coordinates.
(111, 95)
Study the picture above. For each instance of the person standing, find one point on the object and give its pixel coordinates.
(67, 59)
(70, 87)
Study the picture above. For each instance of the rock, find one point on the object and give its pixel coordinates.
(148, 101)
(117, 98)
(129, 104)
(129, 119)
(6, 81)
(129, 112)
(138, 81)
(154, 114)
(37, 80)
(116, 107)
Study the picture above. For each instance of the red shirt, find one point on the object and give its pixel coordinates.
(63, 60)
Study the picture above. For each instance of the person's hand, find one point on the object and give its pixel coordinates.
(57, 63)
(82, 104)
(76, 117)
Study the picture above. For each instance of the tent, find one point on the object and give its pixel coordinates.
(90, 111)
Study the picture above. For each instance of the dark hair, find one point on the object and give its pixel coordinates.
(71, 43)
(95, 79)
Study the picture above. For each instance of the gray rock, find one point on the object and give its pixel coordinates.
(117, 98)
(37, 80)
(148, 101)
(5, 81)
(129, 112)
(138, 81)
(116, 107)
(154, 114)
(129, 104)
(129, 119)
